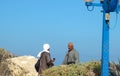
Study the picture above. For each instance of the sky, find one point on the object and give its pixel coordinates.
(25, 25)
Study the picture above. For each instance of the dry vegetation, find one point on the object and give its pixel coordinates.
(5, 55)
(92, 68)
(85, 69)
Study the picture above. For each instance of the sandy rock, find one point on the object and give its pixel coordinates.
(19, 66)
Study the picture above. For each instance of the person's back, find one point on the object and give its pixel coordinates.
(44, 61)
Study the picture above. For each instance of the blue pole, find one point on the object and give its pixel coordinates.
(105, 47)
(108, 6)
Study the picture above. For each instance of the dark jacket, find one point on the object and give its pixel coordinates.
(45, 61)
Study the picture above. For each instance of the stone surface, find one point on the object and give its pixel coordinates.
(19, 66)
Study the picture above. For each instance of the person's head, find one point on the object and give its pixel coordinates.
(70, 46)
(46, 47)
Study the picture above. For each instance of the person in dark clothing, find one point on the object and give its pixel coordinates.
(72, 56)
(45, 59)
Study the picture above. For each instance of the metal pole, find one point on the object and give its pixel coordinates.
(108, 6)
(105, 47)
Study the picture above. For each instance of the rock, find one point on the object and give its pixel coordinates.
(19, 66)
(5, 55)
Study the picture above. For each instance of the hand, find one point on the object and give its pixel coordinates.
(53, 59)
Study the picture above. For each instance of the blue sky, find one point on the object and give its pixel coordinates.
(25, 25)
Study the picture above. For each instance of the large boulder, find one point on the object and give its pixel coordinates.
(18, 66)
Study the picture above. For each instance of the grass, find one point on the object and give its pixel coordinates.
(92, 68)
(85, 69)
(117, 68)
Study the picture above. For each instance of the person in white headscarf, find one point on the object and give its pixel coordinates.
(45, 59)
(46, 48)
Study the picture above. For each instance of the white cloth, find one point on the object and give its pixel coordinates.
(46, 48)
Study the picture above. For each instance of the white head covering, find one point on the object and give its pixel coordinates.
(46, 48)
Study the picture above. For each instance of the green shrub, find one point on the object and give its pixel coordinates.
(84, 69)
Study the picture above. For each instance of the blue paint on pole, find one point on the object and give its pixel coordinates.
(105, 47)
(108, 6)
(118, 8)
